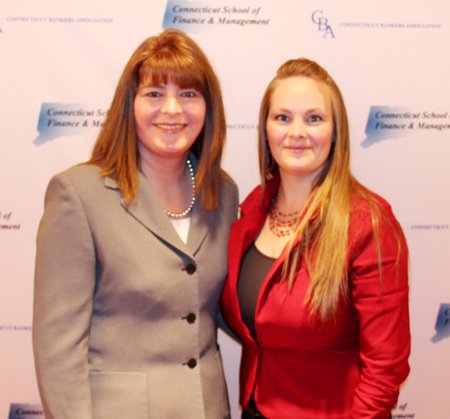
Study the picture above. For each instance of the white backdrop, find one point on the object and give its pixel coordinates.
(391, 60)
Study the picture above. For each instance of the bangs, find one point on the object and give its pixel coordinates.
(161, 70)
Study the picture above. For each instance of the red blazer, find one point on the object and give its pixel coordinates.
(350, 367)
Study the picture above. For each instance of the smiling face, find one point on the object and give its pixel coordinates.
(168, 119)
(299, 126)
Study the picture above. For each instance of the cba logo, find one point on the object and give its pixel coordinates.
(442, 326)
(322, 23)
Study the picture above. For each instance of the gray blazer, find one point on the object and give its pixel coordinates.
(124, 319)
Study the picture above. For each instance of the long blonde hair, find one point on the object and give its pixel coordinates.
(173, 56)
(324, 225)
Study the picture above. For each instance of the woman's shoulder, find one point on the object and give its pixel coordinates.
(368, 209)
(227, 181)
(228, 185)
(81, 177)
(365, 201)
(78, 172)
(81, 171)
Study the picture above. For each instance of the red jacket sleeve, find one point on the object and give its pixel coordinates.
(379, 292)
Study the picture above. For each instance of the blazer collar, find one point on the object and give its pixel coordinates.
(147, 211)
(256, 202)
(254, 210)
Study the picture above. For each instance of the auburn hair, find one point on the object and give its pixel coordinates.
(175, 57)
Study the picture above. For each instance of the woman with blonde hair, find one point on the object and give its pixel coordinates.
(317, 287)
(131, 251)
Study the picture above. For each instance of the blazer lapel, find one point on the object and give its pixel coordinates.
(243, 233)
(202, 223)
(147, 211)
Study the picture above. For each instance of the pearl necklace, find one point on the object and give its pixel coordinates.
(191, 205)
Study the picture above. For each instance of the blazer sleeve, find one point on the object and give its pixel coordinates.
(63, 301)
(380, 296)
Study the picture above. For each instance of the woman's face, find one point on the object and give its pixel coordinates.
(168, 119)
(299, 126)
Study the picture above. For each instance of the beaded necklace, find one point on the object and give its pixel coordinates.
(193, 198)
(281, 224)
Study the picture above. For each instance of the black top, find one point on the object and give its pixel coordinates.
(254, 268)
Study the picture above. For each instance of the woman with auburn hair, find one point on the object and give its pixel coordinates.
(317, 285)
(131, 251)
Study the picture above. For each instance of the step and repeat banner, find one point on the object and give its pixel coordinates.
(60, 62)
